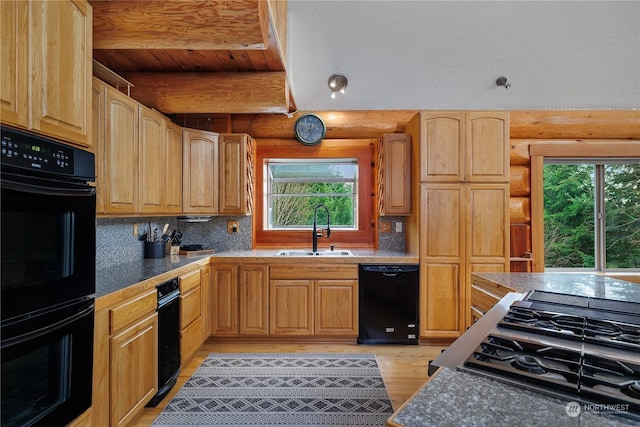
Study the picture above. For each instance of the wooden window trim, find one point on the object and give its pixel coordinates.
(362, 149)
(538, 150)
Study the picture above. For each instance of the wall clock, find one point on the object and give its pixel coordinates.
(310, 129)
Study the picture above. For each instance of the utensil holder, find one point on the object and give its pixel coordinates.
(154, 249)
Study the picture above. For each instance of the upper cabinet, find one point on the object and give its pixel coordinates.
(199, 172)
(463, 146)
(394, 174)
(46, 68)
(217, 173)
(138, 156)
(236, 174)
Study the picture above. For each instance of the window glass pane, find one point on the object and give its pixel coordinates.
(295, 188)
(622, 215)
(569, 233)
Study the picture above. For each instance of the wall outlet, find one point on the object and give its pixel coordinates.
(399, 227)
(385, 227)
(233, 227)
(135, 230)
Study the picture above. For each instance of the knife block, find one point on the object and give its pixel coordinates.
(154, 249)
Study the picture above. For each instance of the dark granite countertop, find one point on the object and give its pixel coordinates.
(454, 398)
(589, 285)
(116, 278)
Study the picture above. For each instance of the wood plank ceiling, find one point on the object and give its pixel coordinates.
(197, 56)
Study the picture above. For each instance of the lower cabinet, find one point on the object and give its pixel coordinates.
(239, 300)
(194, 311)
(318, 300)
(125, 359)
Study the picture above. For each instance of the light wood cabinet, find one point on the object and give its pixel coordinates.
(205, 284)
(172, 171)
(47, 67)
(463, 218)
(317, 300)
(119, 170)
(236, 174)
(240, 298)
(394, 174)
(133, 357)
(151, 159)
(291, 307)
(200, 172)
(98, 125)
(192, 313)
(253, 299)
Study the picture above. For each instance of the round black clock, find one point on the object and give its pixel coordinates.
(310, 129)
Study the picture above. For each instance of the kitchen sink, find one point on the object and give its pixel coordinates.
(304, 252)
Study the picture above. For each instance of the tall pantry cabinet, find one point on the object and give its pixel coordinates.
(461, 224)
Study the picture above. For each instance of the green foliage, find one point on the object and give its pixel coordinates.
(569, 216)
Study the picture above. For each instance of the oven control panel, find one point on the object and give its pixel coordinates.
(30, 152)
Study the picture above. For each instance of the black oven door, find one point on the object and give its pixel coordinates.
(48, 242)
(47, 363)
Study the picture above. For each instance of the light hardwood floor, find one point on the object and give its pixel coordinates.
(403, 367)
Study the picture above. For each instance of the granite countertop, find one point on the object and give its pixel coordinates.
(589, 285)
(118, 278)
(455, 398)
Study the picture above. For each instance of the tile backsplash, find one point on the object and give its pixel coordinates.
(115, 243)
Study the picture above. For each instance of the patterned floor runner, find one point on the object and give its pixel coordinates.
(281, 389)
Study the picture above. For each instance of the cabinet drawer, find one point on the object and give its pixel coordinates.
(190, 340)
(482, 300)
(294, 271)
(190, 304)
(189, 281)
(132, 310)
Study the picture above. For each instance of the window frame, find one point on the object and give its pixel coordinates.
(360, 149)
(563, 150)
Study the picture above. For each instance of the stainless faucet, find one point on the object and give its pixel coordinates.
(317, 233)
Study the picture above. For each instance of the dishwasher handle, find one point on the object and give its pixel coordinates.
(168, 298)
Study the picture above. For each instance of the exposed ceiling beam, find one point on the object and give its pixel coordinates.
(255, 92)
(184, 24)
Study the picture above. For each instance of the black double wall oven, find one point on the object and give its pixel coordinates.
(48, 225)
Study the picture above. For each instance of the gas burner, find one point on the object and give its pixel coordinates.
(632, 389)
(528, 364)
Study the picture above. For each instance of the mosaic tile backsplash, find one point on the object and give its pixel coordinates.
(115, 243)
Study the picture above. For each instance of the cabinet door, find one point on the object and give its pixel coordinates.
(172, 172)
(224, 304)
(441, 146)
(442, 251)
(205, 284)
(233, 174)
(151, 161)
(291, 307)
(61, 53)
(14, 33)
(395, 174)
(119, 175)
(487, 233)
(134, 369)
(98, 124)
(200, 172)
(253, 287)
(336, 307)
(487, 146)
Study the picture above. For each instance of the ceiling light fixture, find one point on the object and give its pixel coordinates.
(502, 81)
(337, 83)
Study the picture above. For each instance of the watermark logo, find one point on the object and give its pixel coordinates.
(572, 409)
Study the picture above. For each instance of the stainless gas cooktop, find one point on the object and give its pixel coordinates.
(578, 348)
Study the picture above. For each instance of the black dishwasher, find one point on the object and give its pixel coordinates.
(168, 338)
(388, 303)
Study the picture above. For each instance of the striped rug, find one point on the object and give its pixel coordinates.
(281, 389)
